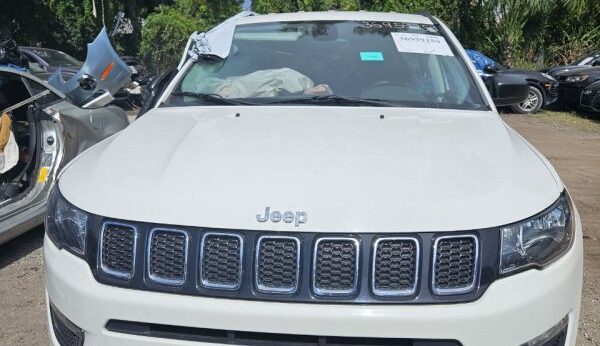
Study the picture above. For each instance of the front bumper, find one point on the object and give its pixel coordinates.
(512, 311)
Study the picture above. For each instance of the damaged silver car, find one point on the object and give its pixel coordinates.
(51, 123)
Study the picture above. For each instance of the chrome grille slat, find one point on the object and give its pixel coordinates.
(294, 267)
(455, 263)
(335, 266)
(117, 249)
(167, 256)
(221, 260)
(395, 266)
(277, 264)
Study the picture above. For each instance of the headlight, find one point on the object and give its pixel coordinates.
(538, 241)
(66, 225)
(549, 77)
(575, 79)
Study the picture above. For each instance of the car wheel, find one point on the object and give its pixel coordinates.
(532, 104)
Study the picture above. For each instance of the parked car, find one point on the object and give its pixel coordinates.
(316, 178)
(591, 59)
(543, 88)
(50, 131)
(590, 97)
(44, 62)
(574, 82)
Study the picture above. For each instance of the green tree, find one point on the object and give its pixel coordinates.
(167, 30)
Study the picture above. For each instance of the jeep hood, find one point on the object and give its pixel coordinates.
(345, 167)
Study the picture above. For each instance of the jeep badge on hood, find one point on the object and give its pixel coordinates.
(298, 217)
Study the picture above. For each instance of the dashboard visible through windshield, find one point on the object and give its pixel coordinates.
(342, 63)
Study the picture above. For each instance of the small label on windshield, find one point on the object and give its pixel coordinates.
(421, 43)
(371, 56)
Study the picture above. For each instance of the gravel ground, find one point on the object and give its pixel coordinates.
(572, 147)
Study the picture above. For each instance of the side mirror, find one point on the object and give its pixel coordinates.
(509, 90)
(490, 69)
(87, 82)
(154, 89)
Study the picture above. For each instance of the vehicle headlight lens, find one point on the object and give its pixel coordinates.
(66, 225)
(549, 77)
(575, 79)
(538, 241)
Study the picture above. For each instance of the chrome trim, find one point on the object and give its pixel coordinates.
(266, 289)
(405, 292)
(329, 292)
(158, 279)
(112, 272)
(459, 290)
(240, 267)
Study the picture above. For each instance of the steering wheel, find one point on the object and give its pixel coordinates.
(385, 85)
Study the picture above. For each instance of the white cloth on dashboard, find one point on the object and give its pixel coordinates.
(262, 83)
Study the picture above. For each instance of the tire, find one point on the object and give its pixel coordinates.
(532, 104)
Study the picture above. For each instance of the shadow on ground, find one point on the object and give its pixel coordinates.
(21, 246)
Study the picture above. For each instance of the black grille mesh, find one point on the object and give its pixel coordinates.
(65, 331)
(455, 263)
(221, 260)
(591, 98)
(335, 265)
(277, 264)
(168, 255)
(117, 249)
(569, 94)
(395, 265)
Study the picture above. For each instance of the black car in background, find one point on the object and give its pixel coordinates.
(578, 87)
(43, 62)
(590, 97)
(591, 59)
(543, 88)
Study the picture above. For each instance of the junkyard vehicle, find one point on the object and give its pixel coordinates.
(590, 97)
(50, 131)
(574, 82)
(43, 62)
(333, 178)
(591, 59)
(543, 88)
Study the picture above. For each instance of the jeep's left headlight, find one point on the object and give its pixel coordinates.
(66, 225)
(538, 241)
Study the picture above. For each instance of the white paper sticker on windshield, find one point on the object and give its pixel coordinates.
(421, 43)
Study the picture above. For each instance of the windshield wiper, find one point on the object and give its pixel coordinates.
(214, 99)
(336, 100)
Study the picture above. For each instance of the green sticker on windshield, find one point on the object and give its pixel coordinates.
(371, 56)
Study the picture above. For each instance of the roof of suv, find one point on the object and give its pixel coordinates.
(336, 15)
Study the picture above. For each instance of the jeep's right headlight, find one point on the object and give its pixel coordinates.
(538, 241)
(66, 225)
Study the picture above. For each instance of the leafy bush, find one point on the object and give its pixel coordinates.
(164, 36)
(166, 31)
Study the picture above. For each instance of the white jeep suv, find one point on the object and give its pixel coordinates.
(338, 178)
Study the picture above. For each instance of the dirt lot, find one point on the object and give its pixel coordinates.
(571, 143)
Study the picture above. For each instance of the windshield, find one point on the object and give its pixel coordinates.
(346, 63)
(56, 57)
